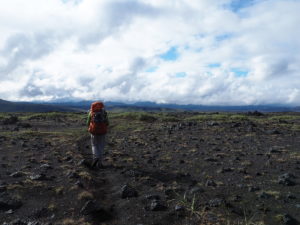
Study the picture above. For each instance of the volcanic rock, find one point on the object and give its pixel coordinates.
(210, 183)
(157, 205)
(289, 220)
(7, 202)
(128, 192)
(17, 174)
(215, 202)
(40, 176)
(90, 207)
(286, 179)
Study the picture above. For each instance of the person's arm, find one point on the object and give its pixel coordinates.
(88, 119)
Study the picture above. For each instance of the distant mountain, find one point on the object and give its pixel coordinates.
(151, 106)
(116, 106)
(7, 106)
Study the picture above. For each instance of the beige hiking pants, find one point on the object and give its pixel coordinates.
(98, 142)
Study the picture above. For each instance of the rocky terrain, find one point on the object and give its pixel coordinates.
(160, 169)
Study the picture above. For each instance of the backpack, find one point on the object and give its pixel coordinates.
(99, 121)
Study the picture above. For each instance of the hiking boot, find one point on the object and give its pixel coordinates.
(100, 165)
(95, 163)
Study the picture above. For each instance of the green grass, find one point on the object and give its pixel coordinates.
(140, 116)
(284, 117)
(224, 117)
(56, 116)
(74, 132)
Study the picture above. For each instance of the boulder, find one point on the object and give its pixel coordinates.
(7, 202)
(17, 174)
(152, 197)
(128, 192)
(210, 183)
(157, 205)
(289, 220)
(90, 207)
(39, 177)
(10, 120)
(93, 208)
(286, 179)
(17, 222)
(264, 195)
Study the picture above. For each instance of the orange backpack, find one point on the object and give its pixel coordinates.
(98, 123)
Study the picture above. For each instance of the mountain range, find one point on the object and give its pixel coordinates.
(7, 106)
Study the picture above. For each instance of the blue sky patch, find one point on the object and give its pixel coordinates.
(214, 65)
(170, 55)
(223, 37)
(151, 69)
(240, 72)
(75, 2)
(236, 5)
(180, 75)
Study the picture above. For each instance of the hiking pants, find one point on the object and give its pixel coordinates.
(98, 142)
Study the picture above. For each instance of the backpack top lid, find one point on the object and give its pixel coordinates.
(97, 106)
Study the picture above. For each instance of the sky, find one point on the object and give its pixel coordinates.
(205, 52)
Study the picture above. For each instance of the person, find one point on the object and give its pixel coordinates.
(97, 123)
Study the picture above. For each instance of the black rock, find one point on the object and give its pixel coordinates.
(291, 196)
(24, 125)
(196, 191)
(288, 175)
(79, 184)
(170, 193)
(212, 123)
(72, 175)
(255, 113)
(128, 192)
(7, 202)
(216, 202)
(289, 220)
(237, 198)
(39, 213)
(17, 222)
(157, 205)
(38, 177)
(37, 223)
(224, 170)
(253, 189)
(94, 209)
(152, 197)
(90, 207)
(210, 160)
(3, 188)
(9, 211)
(264, 195)
(273, 132)
(17, 174)
(210, 183)
(274, 150)
(10, 120)
(286, 179)
(46, 166)
(84, 162)
(179, 208)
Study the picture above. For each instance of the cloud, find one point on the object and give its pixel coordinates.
(21, 47)
(180, 51)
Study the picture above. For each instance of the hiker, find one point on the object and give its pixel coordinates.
(97, 123)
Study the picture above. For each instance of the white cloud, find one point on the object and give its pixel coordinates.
(105, 49)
